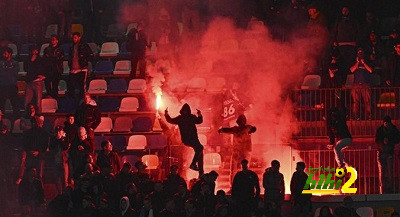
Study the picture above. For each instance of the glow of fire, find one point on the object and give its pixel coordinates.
(158, 100)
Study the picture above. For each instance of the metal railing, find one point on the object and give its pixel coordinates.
(312, 105)
(363, 160)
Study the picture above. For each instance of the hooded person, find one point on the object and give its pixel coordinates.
(125, 208)
(186, 122)
(337, 127)
(241, 146)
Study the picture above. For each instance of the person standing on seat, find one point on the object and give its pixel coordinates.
(187, 127)
(34, 79)
(88, 116)
(81, 55)
(136, 44)
(337, 127)
(53, 57)
(8, 80)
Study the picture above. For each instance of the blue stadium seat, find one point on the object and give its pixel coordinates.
(156, 141)
(104, 67)
(119, 142)
(109, 104)
(66, 49)
(117, 86)
(142, 124)
(123, 52)
(67, 105)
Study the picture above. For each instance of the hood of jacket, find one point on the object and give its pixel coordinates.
(185, 109)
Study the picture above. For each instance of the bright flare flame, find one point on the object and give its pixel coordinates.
(158, 101)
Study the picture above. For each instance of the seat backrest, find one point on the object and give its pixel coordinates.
(94, 47)
(203, 139)
(104, 67)
(51, 29)
(97, 86)
(77, 27)
(142, 124)
(388, 98)
(17, 126)
(14, 49)
(62, 87)
(109, 48)
(137, 142)
(105, 125)
(212, 160)
(137, 86)
(122, 124)
(117, 86)
(311, 82)
(130, 27)
(49, 105)
(44, 46)
(65, 67)
(384, 212)
(123, 65)
(365, 211)
(151, 161)
(129, 104)
(118, 142)
(318, 211)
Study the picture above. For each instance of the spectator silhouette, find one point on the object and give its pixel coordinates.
(274, 185)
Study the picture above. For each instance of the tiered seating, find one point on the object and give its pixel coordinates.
(137, 142)
(104, 68)
(137, 86)
(97, 86)
(117, 86)
(105, 125)
(109, 49)
(122, 67)
(129, 104)
(122, 124)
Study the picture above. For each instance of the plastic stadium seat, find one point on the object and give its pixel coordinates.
(109, 49)
(151, 161)
(130, 27)
(229, 45)
(49, 105)
(94, 48)
(14, 49)
(349, 80)
(249, 45)
(384, 212)
(157, 141)
(137, 86)
(203, 139)
(132, 159)
(122, 124)
(104, 67)
(311, 82)
(118, 142)
(365, 211)
(66, 47)
(387, 100)
(65, 67)
(137, 142)
(21, 70)
(51, 29)
(122, 67)
(59, 122)
(7, 123)
(105, 125)
(196, 84)
(62, 87)
(17, 126)
(129, 104)
(67, 105)
(76, 27)
(318, 210)
(117, 86)
(142, 124)
(109, 104)
(216, 84)
(212, 161)
(44, 46)
(97, 86)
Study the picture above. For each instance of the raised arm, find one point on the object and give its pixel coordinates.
(199, 118)
(169, 119)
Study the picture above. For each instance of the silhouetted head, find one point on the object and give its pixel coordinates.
(76, 37)
(244, 164)
(241, 120)
(275, 165)
(185, 110)
(387, 121)
(300, 166)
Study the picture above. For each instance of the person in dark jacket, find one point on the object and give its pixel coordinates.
(125, 209)
(392, 77)
(274, 185)
(173, 181)
(301, 203)
(81, 55)
(31, 192)
(8, 80)
(36, 141)
(53, 59)
(88, 116)
(187, 127)
(34, 78)
(81, 150)
(337, 127)
(136, 44)
(387, 136)
(71, 128)
(59, 147)
(108, 157)
(241, 141)
(245, 190)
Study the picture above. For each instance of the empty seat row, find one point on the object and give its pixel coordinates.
(133, 142)
(125, 124)
(117, 86)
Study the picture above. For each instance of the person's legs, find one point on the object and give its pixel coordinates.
(341, 144)
(381, 168)
(355, 95)
(367, 101)
(38, 91)
(134, 63)
(197, 162)
(29, 94)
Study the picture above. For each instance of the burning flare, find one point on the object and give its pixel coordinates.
(158, 100)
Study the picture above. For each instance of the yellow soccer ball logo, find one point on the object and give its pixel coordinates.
(339, 173)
